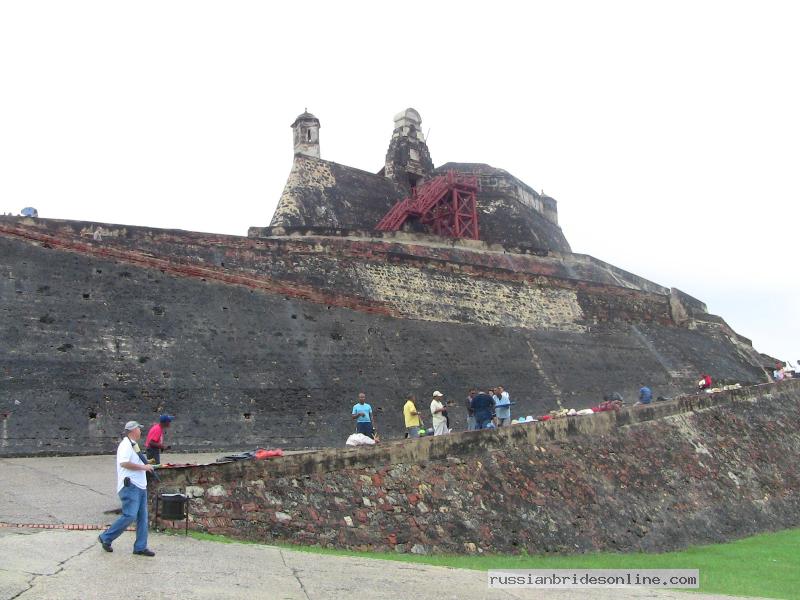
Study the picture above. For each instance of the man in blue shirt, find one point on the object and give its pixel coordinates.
(645, 395)
(362, 412)
(483, 407)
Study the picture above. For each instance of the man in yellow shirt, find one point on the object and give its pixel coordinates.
(411, 417)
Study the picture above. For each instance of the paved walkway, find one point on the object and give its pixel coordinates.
(65, 489)
(58, 564)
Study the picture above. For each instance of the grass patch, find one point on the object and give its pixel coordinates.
(766, 565)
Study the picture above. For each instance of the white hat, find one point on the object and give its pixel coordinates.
(437, 394)
(131, 425)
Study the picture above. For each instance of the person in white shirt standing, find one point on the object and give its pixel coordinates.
(502, 406)
(132, 490)
(437, 414)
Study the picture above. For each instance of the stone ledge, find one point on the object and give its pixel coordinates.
(466, 442)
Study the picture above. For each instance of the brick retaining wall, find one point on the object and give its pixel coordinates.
(703, 469)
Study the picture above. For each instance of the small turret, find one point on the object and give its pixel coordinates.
(306, 134)
(408, 161)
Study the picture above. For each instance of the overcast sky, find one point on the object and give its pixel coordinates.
(668, 132)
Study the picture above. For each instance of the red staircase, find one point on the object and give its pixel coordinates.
(446, 203)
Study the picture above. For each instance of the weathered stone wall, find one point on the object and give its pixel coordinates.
(705, 469)
(499, 182)
(267, 341)
(408, 277)
(320, 193)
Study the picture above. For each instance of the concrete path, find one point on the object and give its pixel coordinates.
(66, 489)
(57, 564)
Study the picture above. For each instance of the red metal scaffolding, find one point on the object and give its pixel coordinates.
(446, 203)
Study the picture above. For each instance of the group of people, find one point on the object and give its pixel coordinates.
(440, 418)
(485, 409)
(646, 394)
(491, 407)
(488, 409)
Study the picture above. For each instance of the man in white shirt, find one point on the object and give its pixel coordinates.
(132, 491)
(437, 414)
(502, 406)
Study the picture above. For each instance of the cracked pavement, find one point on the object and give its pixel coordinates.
(58, 564)
(64, 489)
(41, 564)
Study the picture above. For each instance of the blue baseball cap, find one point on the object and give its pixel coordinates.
(166, 419)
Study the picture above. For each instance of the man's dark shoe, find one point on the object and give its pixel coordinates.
(145, 552)
(106, 547)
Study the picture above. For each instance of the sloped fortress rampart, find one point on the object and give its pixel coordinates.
(266, 339)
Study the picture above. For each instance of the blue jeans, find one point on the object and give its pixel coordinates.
(134, 508)
(487, 424)
(365, 428)
(471, 425)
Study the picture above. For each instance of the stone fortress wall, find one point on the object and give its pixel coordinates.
(322, 193)
(704, 469)
(267, 340)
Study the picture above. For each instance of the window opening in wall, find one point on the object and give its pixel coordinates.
(413, 180)
(309, 135)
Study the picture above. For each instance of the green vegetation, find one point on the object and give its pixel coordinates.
(766, 565)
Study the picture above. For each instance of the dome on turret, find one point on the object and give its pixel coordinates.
(407, 117)
(305, 117)
(306, 134)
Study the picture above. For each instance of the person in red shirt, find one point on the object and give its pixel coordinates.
(154, 443)
(705, 382)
